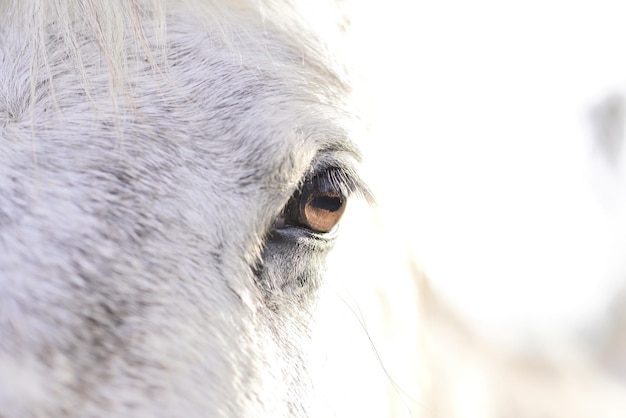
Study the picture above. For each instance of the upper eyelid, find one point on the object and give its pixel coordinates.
(341, 180)
(341, 174)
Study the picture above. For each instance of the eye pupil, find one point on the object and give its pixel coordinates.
(326, 202)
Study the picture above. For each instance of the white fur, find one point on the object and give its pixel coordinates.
(147, 148)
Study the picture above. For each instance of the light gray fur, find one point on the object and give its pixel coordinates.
(144, 156)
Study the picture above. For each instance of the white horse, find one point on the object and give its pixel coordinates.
(172, 175)
(171, 179)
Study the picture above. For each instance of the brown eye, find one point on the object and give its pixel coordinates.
(317, 206)
(321, 211)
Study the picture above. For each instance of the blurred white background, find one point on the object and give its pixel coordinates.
(494, 159)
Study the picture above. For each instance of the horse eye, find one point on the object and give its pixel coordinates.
(316, 207)
(321, 211)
